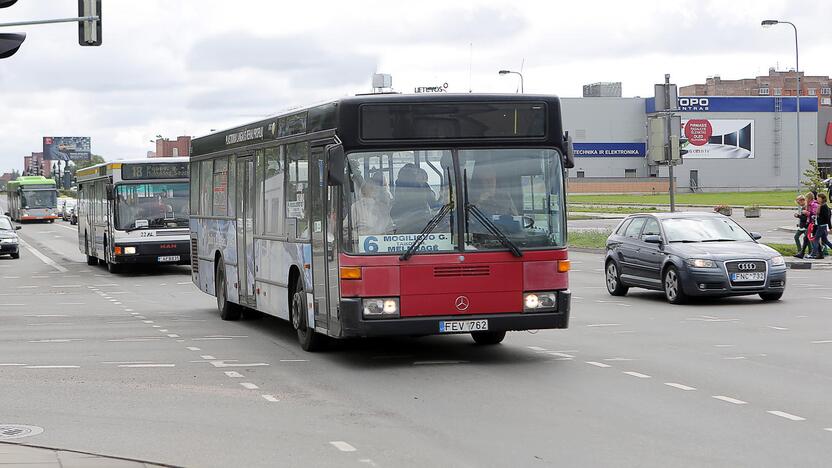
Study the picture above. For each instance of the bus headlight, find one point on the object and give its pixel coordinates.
(380, 307)
(540, 301)
(129, 251)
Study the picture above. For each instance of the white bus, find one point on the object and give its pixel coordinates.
(133, 212)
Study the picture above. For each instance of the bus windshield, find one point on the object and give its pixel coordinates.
(394, 195)
(39, 198)
(151, 206)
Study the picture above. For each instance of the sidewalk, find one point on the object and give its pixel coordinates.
(27, 456)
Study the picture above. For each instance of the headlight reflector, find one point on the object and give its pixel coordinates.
(778, 260)
(700, 263)
(380, 307)
(129, 251)
(540, 301)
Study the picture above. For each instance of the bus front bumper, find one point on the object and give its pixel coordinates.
(167, 253)
(353, 325)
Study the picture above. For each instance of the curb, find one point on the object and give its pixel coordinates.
(586, 250)
(808, 266)
(686, 205)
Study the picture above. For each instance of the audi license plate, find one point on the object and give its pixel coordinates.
(748, 276)
(462, 326)
(171, 258)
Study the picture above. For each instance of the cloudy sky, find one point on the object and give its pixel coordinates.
(174, 67)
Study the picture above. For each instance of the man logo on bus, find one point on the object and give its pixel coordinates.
(462, 303)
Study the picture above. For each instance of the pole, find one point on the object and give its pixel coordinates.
(51, 21)
(797, 73)
(667, 148)
(521, 84)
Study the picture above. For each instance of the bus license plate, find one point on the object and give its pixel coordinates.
(462, 326)
(748, 276)
(171, 258)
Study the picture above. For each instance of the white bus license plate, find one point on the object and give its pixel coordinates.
(462, 326)
(748, 276)
(172, 258)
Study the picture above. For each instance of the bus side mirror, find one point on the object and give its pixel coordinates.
(17, 228)
(569, 153)
(110, 192)
(336, 163)
(6, 214)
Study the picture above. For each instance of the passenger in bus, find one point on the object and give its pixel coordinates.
(383, 194)
(411, 204)
(371, 212)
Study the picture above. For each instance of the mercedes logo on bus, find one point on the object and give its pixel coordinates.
(462, 303)
(746, 266)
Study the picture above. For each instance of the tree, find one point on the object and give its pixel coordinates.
(813, 180)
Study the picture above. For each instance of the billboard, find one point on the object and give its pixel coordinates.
(718, 138)
(66, 148)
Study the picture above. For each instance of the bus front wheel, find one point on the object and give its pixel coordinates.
(488, 338)
(228, 310)
(309, 339)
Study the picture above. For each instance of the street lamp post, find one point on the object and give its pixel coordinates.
(769, 23)
(508, 72)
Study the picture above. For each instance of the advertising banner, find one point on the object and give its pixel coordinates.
(718, 138)
(66, 148)
(610, 150)
(399, 243)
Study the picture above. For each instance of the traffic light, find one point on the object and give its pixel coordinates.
(10, 42)
(89, 32)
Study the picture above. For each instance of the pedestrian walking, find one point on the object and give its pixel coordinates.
(800, 239)
(822, 222)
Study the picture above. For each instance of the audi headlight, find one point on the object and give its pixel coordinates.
(380, 307)
(778, 261)
(540, 301)
(700, 263)
(8, 240)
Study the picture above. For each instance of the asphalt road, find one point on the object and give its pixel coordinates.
(139, 365)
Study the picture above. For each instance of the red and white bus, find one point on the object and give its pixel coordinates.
(388, 214)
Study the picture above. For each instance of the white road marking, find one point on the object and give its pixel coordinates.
(679, 386)
(822, 342)
(66, 285)
(343, 446)
(193, 348)
(553, 353)
(294, 360)
(729, 399)
(249, 385)
(234, 374)
(783, 414)
(163, 330)
(210, 358)
(724, 346)
(157, 326)
(27, 287)
(57, 340)
(209, 339)
(42, 257)
(116, 303)
(130, 340)
(147, 365)
(128, 310)
(225, 336)
(615, 359)
(11, 277)
(827, 429)
(53, 367)
(147, 321)
(15, 305)
(173, 335)
(186, 282)
(226, 364)
(604, 325)
(597, 364)
(39, 277)
(637, 374)
(11, 365)
(776, 328)
(270, 398)
(536, 348)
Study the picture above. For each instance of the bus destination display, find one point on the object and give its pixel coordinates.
(154, 171)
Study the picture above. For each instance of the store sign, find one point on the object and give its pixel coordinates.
(610, 150)
(738, 104)
(829, 134)
(718, 138)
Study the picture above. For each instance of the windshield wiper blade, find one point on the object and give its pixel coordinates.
(493, 229)
(718, 240)
(429, 227)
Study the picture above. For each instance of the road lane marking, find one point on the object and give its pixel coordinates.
(679, 386)
(43, 257)
(127, 362)
(783, 414)
(186, 282)
(192, 348)
(597, 364)
(234, 374)
(294, 360)
(554, 353)
(163, 330)
(270, 398)
(225, 336)
(147, 365)
(734, 358)
(616, 359)
(536, 348)
(724, 346)
(27, 287)
(226, 364)
(729, 399)
(604, 325)
(210, 358)
(822, 341)
(66, 285)
(343, 446)
(19, 305)
(827, 429)
(147, 321)
(637, 374)
(776, 328)
(131, 340)
(173, 335)
(53, 367)
(57, 340)
(209, 339)
(11, 365)
(249, 385)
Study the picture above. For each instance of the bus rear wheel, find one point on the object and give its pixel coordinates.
(488, 337)
(309, 339)
(228, 310)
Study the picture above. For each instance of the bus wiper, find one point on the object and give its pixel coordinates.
(134, 228)
(492, 228)
(446, 208)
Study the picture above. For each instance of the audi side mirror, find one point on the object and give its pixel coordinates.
(756, 235)
(17, 228)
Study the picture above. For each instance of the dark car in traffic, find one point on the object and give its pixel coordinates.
(9, 242)
(691, 254)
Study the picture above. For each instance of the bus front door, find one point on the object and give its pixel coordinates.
(245, 230)
(324, 250)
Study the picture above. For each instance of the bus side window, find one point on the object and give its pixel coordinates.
(273, 191)
(297, 189)
(206, 172)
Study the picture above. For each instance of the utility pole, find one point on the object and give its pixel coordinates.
(668, 144)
